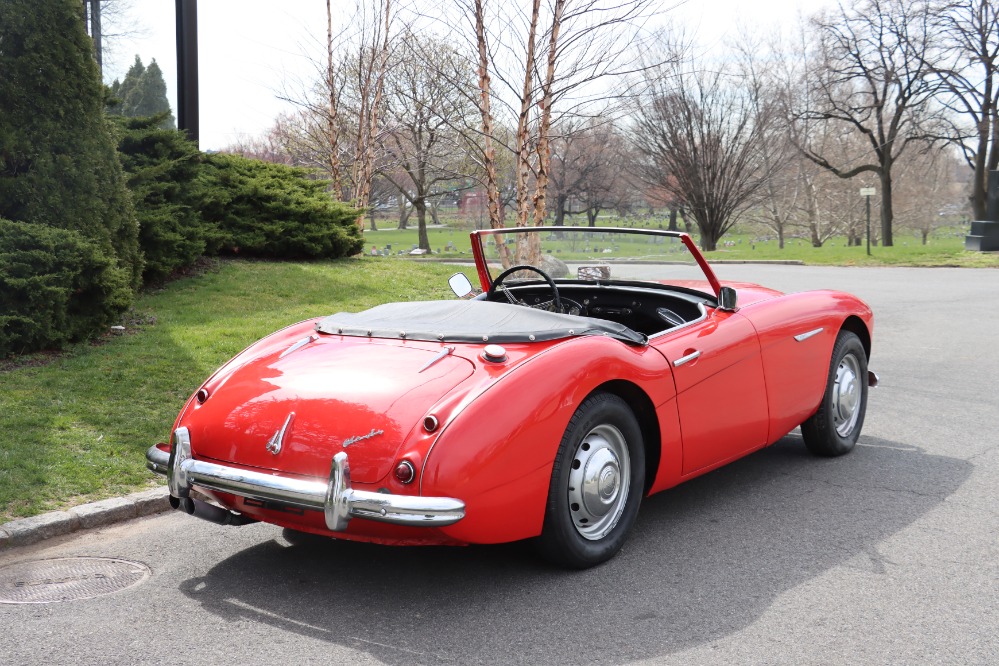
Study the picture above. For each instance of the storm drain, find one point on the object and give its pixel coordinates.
(67, 579)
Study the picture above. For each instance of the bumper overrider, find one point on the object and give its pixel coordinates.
(333, 496)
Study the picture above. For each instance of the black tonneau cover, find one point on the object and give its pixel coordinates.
(470, 321)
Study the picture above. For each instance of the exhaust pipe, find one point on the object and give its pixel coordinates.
(209, 512)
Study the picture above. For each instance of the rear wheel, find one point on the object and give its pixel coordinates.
(597, 484)
(835, 428)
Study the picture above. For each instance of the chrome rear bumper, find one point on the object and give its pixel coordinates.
(333, 496)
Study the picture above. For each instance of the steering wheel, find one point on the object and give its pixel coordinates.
(494, 288)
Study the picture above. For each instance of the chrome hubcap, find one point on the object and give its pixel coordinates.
(599, 479)
(847, 393)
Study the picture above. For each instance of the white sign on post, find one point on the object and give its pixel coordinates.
(867, 191)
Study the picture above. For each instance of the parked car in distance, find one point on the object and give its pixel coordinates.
(595, 367)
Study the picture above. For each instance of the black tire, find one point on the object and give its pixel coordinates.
(604, 441)
(835, 428)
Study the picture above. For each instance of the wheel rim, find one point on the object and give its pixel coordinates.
(847, 395)
(599, 480)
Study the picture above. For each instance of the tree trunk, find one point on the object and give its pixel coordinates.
(371, 216)
(495, 208)
(523, 155)
(434, 206)
(404, 212)
(420, 205)
(926, 233)
(332, 120)
(544, 124)
(886, 209)
(672, 220)
(780, 237)
(560, 210)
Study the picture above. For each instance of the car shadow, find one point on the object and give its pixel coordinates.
(704, 560)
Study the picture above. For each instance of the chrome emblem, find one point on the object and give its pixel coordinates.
(360, 438)
(275, 443)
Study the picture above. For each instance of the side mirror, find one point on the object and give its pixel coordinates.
(727, 299)
(460, 285)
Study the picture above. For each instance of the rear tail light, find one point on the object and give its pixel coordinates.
(405, 472)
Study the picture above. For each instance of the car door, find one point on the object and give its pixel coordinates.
(721, 393)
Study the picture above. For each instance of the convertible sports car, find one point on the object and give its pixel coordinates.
(596, 367)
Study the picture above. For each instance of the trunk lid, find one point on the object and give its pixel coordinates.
(362, 396)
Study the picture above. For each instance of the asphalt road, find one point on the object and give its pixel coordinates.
(886, 556)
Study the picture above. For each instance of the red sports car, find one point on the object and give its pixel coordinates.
(595, 367)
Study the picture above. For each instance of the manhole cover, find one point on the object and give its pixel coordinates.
(67, 579)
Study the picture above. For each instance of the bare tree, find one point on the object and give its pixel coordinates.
(531, 58)
(110, 22)
(421, 151)
(872, 77)
(773, 76)
(930, 193)
(334, 89)
(968, 36)
(337, 127)
(703, 136)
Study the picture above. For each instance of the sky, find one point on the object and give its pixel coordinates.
(252, 53)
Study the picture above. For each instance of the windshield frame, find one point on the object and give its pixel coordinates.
(480, 237)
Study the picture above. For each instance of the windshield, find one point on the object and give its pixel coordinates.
(593, 254)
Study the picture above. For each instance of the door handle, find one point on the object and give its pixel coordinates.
(686, 359)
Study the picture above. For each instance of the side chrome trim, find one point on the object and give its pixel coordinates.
(801, 337)
(333, 496)
(686, 359)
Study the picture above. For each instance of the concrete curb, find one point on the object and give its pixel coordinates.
(26, 531)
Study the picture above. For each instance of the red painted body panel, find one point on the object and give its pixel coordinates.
(497, 452)
(721, 394)
(338, 388)
(796, 370)
(501, 423)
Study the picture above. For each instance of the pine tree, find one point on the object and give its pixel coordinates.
(131, 80)
(142, 93)
(58, 163)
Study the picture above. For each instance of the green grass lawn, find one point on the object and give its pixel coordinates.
(75, 427)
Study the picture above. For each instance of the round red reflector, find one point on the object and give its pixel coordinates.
(405, 472)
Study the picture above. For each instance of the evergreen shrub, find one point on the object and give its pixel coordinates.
(56, 287)
(162, 166)
(59, 168)
(275, 211)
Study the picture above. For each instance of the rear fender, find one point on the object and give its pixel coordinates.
(497, 453)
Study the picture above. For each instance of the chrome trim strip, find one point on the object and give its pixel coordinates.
(444, 353)
(686, 359)
(801, 337)
(334, 496)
